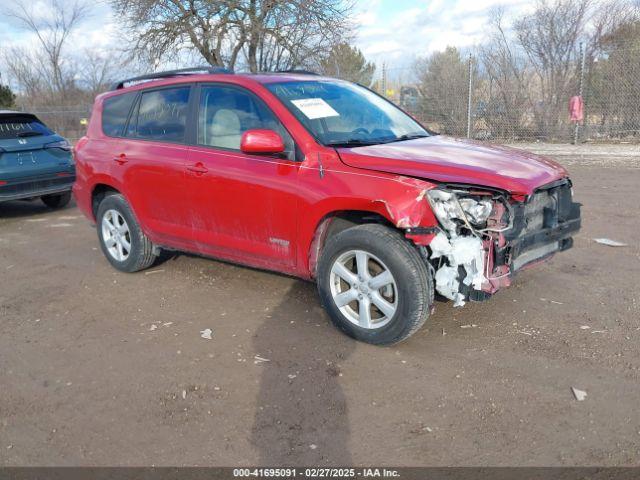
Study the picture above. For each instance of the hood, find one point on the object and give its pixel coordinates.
(450, 160)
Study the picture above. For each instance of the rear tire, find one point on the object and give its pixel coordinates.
(122, 240)
(374, 284)
(57, 200)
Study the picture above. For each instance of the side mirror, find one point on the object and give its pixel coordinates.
(261, 141)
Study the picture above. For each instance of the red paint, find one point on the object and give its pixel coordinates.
(261, 141)
(576, 109)
(270, 212)
(446, 159)
(497, 277)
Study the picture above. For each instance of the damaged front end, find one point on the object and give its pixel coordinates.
(486, 236)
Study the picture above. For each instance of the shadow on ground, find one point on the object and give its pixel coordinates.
(302, 415)
(27, 208)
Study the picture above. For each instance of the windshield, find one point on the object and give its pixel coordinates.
(18, 126)
(345, 114)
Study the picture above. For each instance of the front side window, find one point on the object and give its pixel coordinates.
(225, 113)
(115, 112)
(21, 126)
(346, 114)
(161, 115)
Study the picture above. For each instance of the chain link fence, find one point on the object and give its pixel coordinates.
(500, 106)
(70, 121)
(492, 105)
(612, 107)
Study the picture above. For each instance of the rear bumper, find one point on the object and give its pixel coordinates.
(36, 186)
(82, 196)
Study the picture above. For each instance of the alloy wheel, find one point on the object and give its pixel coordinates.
(116, 235)
(363, 289)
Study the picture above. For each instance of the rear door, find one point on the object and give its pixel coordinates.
(29, 149)
(151, 163)
(242, 206)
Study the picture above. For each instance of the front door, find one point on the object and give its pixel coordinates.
(244, 207)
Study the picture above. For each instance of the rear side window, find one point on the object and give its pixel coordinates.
(21, 126)
(115, 112)
(161, 115)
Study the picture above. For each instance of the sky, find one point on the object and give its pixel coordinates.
(395, 32)
(399, 31)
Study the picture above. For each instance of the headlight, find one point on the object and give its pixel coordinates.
(448, 207)
(477, 211)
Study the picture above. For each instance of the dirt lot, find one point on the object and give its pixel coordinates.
(103, 368)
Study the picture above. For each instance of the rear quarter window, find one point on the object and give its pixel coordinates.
(21, 126)
(161, 115)
(115, 111)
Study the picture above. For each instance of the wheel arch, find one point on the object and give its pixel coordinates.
(337, 221)
(398, 203)
(98, 193)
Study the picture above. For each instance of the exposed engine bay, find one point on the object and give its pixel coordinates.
(486, 236)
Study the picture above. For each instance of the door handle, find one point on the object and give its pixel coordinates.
(121, 159)
(198, 168)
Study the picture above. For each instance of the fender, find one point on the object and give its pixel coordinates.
(400, 200)
(96, 180)
(112, 182)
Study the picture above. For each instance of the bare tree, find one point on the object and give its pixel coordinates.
(607, 19)
(550, 37)
(259, 34)
(505, 85)
(98, 70)
(24, 67)
(613, 87)
(52, 32)
(294, 33)
(162, 28)
(54, 78)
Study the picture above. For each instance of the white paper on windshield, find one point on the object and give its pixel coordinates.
(315, 108)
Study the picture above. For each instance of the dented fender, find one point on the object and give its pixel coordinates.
(400, 200)
(408, 208)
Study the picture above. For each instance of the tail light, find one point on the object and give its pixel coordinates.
(62, 144)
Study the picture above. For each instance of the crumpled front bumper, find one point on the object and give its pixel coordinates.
(542, 226)
(476, 264)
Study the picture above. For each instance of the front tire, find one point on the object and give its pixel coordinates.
(374, 284)
(122, 240)
(57, 200)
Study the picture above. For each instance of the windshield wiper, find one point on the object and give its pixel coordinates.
(352, 142)
(357, 142)
(29, 134)
(408, 136)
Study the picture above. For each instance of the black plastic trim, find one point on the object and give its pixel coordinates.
(170, 73)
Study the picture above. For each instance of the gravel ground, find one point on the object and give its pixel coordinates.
(103, 368)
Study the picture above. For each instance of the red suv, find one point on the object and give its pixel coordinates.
(318, 178)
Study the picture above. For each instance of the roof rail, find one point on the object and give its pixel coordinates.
(169, 73)
(298, 71)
